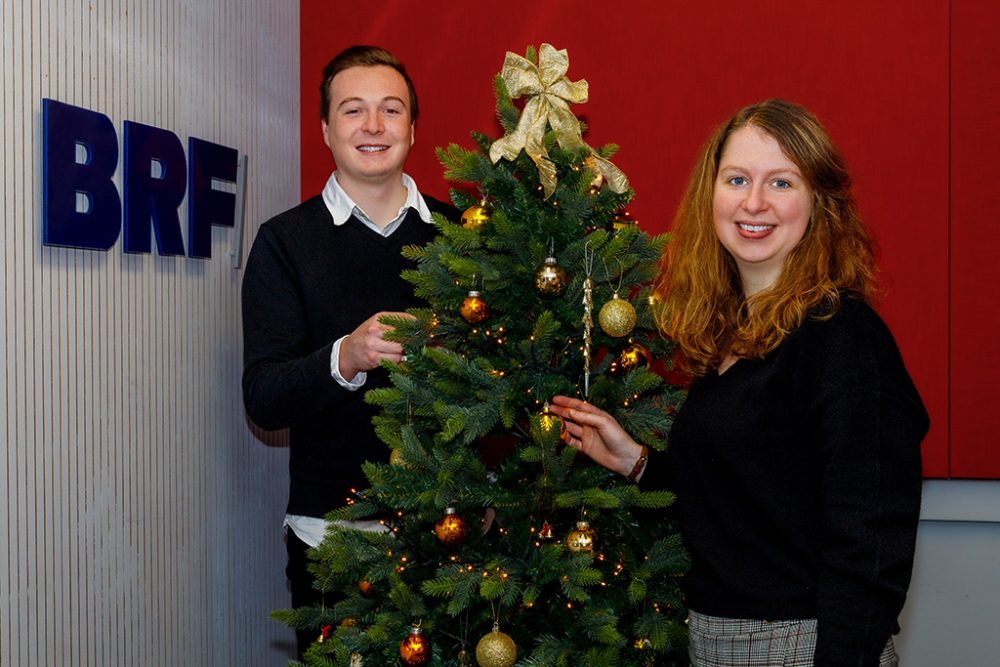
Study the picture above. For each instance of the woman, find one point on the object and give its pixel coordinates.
(796, 456)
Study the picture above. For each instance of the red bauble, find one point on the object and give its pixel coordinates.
(474, 309)
(415, 650)
(451, 529)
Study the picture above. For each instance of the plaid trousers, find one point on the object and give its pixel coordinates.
(737, 642)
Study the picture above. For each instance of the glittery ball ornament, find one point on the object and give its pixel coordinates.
(632, 357)
(396, 459)
(581, 538)
(415, 650)
(451, 529)
(475, 216)
(617, 317)
(474, 309)
(551, 279)
(496, 649)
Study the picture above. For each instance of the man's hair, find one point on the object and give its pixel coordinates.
(362, 56)
(703, 307)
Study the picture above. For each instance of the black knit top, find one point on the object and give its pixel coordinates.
(798, 479)
(309, 282)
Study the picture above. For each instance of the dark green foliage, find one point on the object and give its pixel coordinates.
(465, 416)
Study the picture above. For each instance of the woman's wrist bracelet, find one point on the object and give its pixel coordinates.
(639, 464)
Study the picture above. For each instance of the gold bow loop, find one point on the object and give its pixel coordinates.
(549, 93)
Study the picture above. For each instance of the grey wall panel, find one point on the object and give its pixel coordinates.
(141, 522)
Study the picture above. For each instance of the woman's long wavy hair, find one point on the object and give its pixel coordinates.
(703, 307)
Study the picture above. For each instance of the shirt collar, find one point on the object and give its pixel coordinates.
(342, 207)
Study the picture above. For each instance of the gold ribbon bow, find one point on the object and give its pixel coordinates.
(549, 93)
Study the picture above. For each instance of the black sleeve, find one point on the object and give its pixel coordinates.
(869, 421)
(657, 476)
(284, 382)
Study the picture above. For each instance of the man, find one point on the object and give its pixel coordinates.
(318, 280)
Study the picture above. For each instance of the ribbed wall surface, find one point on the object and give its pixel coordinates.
(141, 523)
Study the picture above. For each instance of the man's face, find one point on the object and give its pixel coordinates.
(369, 129)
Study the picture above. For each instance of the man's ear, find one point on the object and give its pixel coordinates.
(326, 139)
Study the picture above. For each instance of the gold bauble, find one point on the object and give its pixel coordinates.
(396, 459)
(551, 279)
(617, 317)
(474, 309)
(415, 650)
(475, 216)
(451, 529)
(632, 357)
(581, 538)
(496, 649)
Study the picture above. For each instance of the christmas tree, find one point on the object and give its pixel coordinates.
(499, 540)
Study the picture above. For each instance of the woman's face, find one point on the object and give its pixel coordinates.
(761, 206)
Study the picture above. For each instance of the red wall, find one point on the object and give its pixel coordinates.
(975, 261)
(662, 74)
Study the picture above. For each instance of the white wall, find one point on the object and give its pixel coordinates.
(141, 518)
(951, 614)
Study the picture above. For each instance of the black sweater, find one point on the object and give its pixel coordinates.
(309, 282)
(798, 479)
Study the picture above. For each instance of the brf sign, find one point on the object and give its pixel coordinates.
(81, 206)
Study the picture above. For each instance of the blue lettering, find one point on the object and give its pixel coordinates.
(206, 206)
(154, 182)
(81, 207)
(68, 179)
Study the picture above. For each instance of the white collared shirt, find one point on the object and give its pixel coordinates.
(342, 207)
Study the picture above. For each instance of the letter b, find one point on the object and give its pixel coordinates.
(87, 179)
